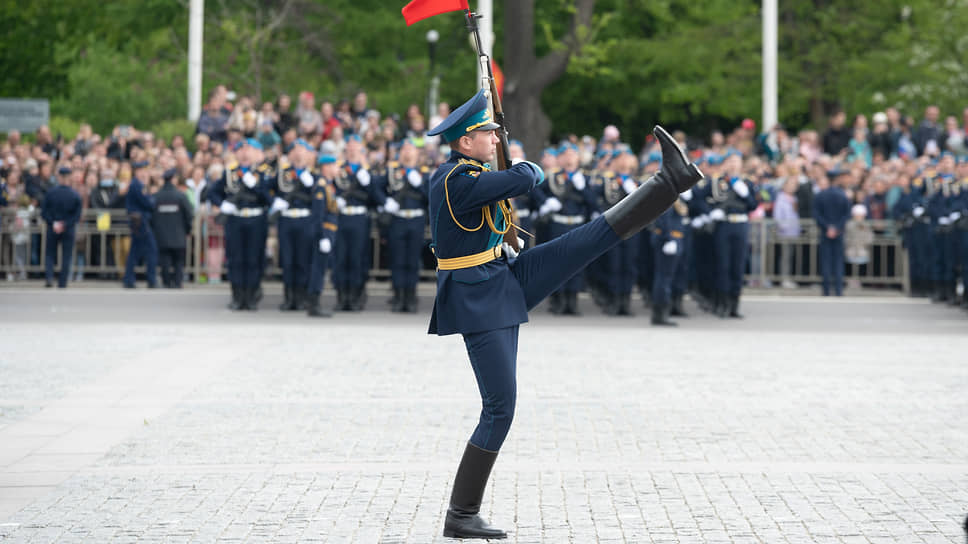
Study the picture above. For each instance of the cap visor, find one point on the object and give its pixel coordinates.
(489, 126)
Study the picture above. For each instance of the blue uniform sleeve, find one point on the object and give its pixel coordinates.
(820, 211)
(45, 211)
(378, 188)
(468, 192)
(217, 193)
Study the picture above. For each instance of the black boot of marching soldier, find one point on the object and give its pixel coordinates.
(652, 198)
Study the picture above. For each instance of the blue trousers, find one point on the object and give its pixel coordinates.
(576, 282)
(143, 248)
(317, 272)
(540, 271)
(943, 268)
(680, 278)
(297, 242)
(732, 241)
(621, 269)
(350, 251)
(832, 264)
(245, 243)
(66, 241)
(921, 250)
(405, 239)
(665, 270)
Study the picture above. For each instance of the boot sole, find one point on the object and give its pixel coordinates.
(455, 534)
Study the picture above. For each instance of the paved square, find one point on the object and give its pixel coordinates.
(159, 416)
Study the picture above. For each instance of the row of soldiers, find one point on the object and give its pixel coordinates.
(933, 214)
(323, 207)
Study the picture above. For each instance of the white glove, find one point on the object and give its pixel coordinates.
(670, 247)
(717, 214)
(506, 248)
(306, 178)
(550, 206)
(741, 189)
(629, 186)
(363, 176)
(249, 180)
(918, 211)
(227, 208)
(699, 221)
(278, 205)
(578, 180)
(391, 205)
(520, 241)
(414, 178)
(516, 161)
(954, 216)
(325, 246)
(340, 202)
(594, 216)
(944, 221)
(687, 196)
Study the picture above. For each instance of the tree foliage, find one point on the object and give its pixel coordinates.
(692, 65)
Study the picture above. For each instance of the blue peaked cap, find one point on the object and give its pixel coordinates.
(470, 116)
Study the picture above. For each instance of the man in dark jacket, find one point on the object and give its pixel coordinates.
(837, 136)
(831, 211)
(61, 210)
(172, 223)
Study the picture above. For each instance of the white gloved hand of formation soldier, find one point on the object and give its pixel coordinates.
(578, 180)
(508, 250)
(741, 189)
(699, 221)
(687, 196)
(414, 178)
(340, 202)
(670, 247)
(249, 180)
(325, 246)
(227, 208)
(629, 185)
(954, 216)
(363, 176)
(918, 211)
(551, 205)
(944, 221)
(306, 178)
(278, 205)
(391, 205)
(717, 214)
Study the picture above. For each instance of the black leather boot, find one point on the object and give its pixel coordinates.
(252, 297)
(676, 309)
(314, 309)
(721, 307)
(462, 519)
(611, 305)
(410, 305)
(734, 307)
(286, 305)
(400, 300)
(236, 303)
(556, 306)
(625, 304)
(658, 193)
(660, 317)
(571, 303)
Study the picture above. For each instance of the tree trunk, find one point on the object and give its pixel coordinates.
(526, 77)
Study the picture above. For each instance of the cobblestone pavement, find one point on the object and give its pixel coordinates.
(153, 416)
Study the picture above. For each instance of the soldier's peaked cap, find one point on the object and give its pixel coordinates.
(472, 115)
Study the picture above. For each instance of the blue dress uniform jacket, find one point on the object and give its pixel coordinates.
(61, 204)
(325, 215)
(486, 296)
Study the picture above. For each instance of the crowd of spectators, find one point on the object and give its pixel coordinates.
(881, 156)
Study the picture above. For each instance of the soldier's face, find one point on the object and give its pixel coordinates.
(480, 144)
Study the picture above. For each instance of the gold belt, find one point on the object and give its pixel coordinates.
(470, 261)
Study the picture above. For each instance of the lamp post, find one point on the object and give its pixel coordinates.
(432, 37)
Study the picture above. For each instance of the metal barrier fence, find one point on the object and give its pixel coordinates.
(102, 241)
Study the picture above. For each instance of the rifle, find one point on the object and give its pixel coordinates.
(490, 91)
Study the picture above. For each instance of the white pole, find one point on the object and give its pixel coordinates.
(769, 65)
(196, 19)
(486, 27)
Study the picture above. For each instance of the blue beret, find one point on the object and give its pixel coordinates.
(551, 151)
(64, 170)
(470, 116)
(326, 159)
(515, 142)
(655, 156)
(253, 143)
(354, 138)
(304, 143)
(139, 164)
(713, 159)
(566, 146)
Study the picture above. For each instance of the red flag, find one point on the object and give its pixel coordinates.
(418, 10)
(498, 78)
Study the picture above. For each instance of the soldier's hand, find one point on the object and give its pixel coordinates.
(306, 178)
(699, 221)
(249, 180)
(741, 189)
(391, 205)
(954, 216)
(670, 247)
(414, 178)
(509, 251)
(550, 206)
(363, 176)
(578, 180)
(340, 202)
(629, 185)
(227, 208)
(918, 211)
(325, 246)
(278, 205)
(717, 214)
